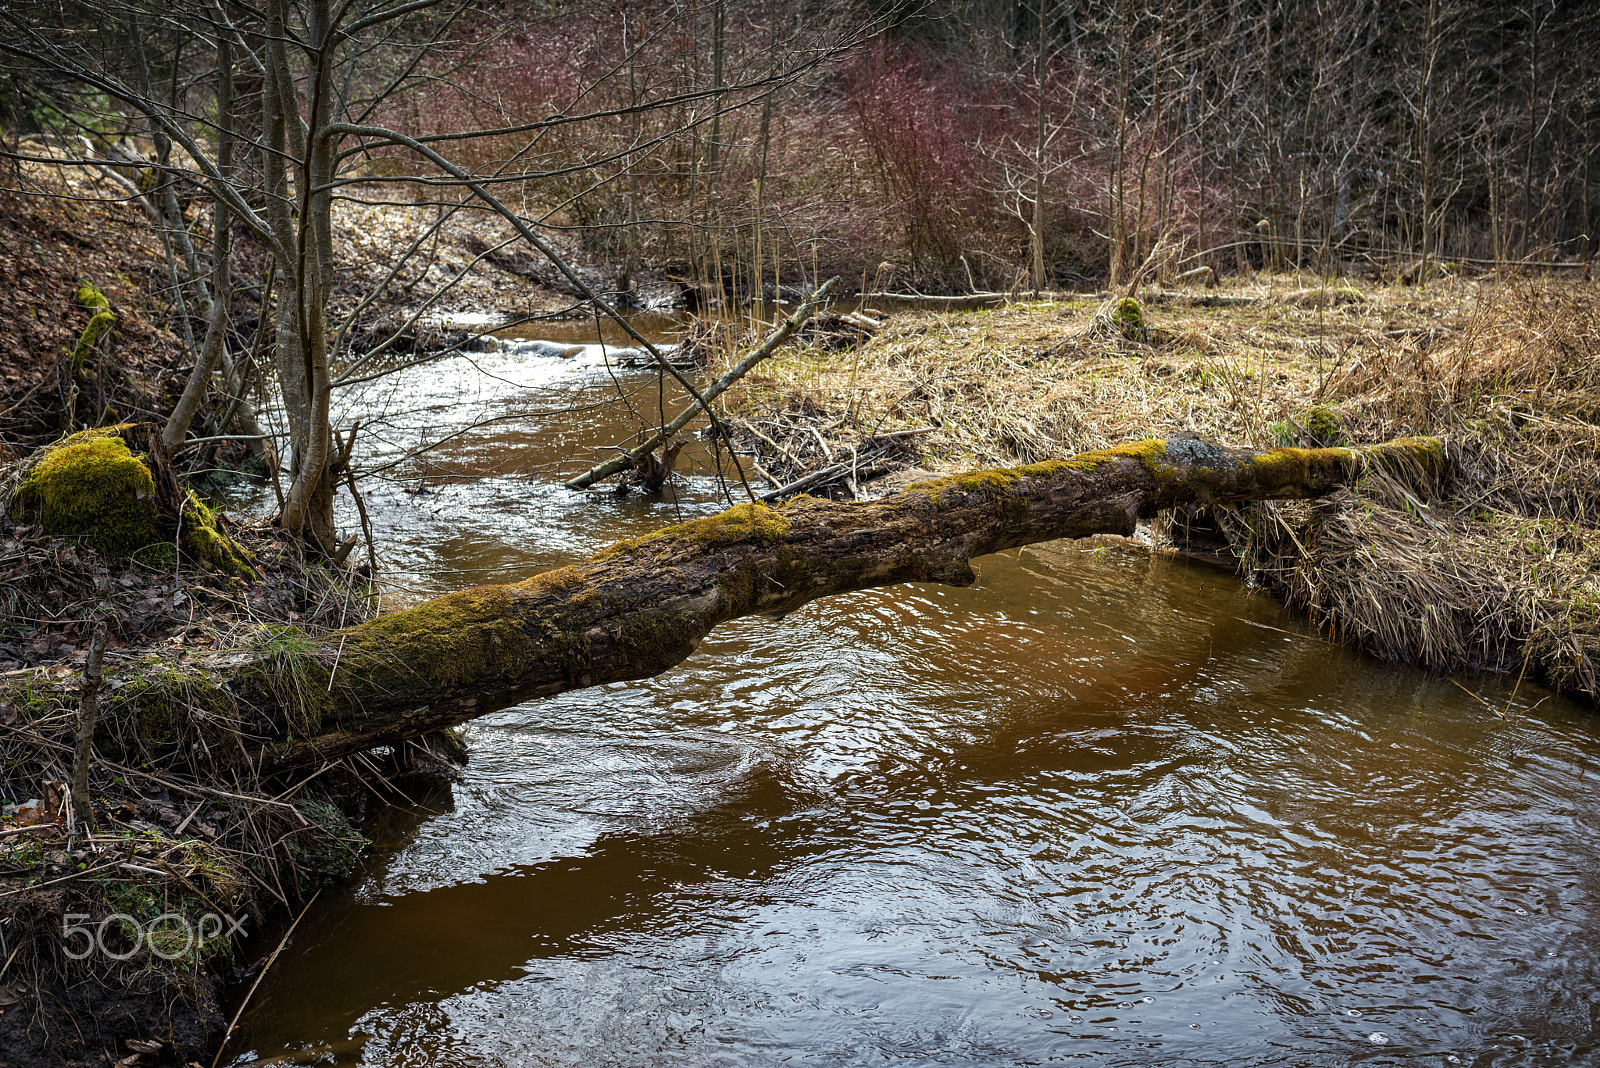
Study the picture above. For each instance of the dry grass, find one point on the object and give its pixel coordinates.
(1029, 381)
(1497, 572)
(1504, 572)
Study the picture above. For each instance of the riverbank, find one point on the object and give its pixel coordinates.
(119, 930)
(1496, 572)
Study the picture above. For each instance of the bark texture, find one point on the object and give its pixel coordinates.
(641, 606)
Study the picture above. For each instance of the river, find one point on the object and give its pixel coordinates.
(1101, 808)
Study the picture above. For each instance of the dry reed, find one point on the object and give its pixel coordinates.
(1497, 571)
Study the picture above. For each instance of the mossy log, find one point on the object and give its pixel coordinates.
(634, 610)
(641, 606)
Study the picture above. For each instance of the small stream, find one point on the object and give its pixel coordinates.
(1100, 808)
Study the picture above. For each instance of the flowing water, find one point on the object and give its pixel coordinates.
(1100, 808)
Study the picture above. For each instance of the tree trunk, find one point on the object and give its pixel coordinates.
(212, 350)
(300, 216)
(641, 606)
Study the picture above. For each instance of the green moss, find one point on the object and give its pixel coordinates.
(1323, 426)
(98, 327)
(557, 580)
(1281, 467)
(89, 296)
(749, 522)
(1001, 483)
(1144, 451)
(463, 635)
(1128, 318)
(182, 943)
(1048, 468)
(664, 638)
(90, 485)
(327, 850)
(286, 667)
(1405, 456)
(158, 705)
(204, 541)
(101, 323)
(160, 555)
(994, 482)
(1149, 453)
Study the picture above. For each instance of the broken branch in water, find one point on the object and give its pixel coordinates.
(630, 457)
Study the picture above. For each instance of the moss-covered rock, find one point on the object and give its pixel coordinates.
(91, 485)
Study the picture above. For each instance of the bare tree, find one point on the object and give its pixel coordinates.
(325, 74)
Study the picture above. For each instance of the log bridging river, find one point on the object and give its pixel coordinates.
(641, 606)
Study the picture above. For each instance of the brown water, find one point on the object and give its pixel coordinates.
(1092, 810)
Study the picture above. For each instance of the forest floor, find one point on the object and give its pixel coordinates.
(1496, 570)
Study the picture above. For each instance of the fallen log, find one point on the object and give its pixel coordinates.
(641, 606)
(947, 303)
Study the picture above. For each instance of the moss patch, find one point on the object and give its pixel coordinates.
(98, 327)
(1128, 317)
(557, 580)
(89, 296)
(91, 485)
(463, 635)
(1000, 483)
(205, 541)
(1323, 426)
(287, 668)
(160, 705)
(742, 523)
(101, 323)
(657, 638)
(1405, 457)
(1287, 466)
(327, 850)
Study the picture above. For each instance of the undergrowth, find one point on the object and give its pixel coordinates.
(186, 846)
